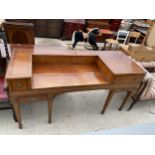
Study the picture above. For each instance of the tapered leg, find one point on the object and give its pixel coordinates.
(110, 46)
(14, 114)
(107, 102)
(50, 104)
(103, 48)
(12, 101)
(137, 95)
(131, 105)
(125, 100)
(16, 106)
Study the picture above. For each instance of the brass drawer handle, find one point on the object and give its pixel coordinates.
(19, 85)
(33, 98)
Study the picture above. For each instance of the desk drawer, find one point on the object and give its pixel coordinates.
(20, 85)
(129, 79)
(33, 98)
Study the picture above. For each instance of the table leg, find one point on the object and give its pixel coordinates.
(50, 104)
(14, 114)
(110, 46)
(16, 106)
(104, 46)
(116, 48)
(107, 102)
(125, 100)
(12, 100)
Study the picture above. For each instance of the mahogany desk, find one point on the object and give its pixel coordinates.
(40, 72)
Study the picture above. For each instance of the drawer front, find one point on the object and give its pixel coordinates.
(32, 98)
(19, 85)
(128, 80)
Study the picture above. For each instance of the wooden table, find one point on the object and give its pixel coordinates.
(41, 72)
(103, 31)
(104, 34)
(106, 31)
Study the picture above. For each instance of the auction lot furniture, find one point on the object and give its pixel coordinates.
(41, 72)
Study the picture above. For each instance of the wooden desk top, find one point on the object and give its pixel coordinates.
(20, 66)
(36, 67)
(120, 64)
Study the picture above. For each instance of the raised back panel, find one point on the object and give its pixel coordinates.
(19, 33)
(46, 59)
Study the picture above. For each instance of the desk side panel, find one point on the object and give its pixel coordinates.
(62, 59)
(20, 65)
(128, 80)
(105, 71)
(19, 71)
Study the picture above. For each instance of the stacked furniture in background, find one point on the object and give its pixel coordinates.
(49, 28)
(71, 25)
(59, 28)
(111, 24)
(108, 24)
(144, 55)
(145, 52)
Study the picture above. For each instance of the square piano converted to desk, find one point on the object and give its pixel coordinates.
(34, 73)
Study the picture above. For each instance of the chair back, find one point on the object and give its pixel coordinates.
(135, 35)
(122, 35)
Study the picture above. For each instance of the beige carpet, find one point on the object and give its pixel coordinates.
(76, 113)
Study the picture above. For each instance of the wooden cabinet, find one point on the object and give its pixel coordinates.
(111, 24)
(69, 28)
(51, 28)
(19, 33)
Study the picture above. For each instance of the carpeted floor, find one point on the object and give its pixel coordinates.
(75, 113)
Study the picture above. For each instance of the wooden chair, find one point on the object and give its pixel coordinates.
(135, 35)
(19, 33)
(122, 36)
(146, 90)
(144, 52)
